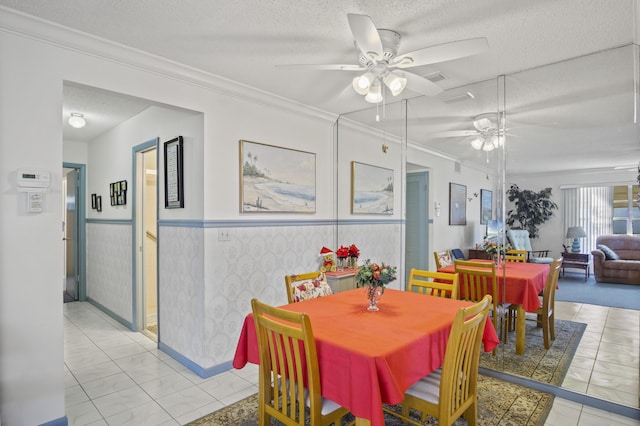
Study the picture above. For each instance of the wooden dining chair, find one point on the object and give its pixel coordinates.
(443, 258)
(516, 256)
(308, 285)
(451, 391)
(440, 284)
(545, 314)
(475, 280)
(289, 377)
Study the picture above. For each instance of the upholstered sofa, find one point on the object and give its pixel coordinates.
(616, 259)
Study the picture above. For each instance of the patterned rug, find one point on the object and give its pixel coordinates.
(499, 402)
(546, 366)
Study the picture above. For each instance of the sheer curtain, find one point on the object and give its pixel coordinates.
(591, 208)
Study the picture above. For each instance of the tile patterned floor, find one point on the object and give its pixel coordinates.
(114, 376)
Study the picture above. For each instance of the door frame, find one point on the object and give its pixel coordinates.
(81, 233)
(137, 299)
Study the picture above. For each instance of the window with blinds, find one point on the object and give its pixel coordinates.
(626, 214)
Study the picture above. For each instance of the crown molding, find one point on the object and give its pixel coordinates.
(22, 24)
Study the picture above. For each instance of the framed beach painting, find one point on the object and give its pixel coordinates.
(276, 180)
(457, 204)
(371, 189)
(486, 206)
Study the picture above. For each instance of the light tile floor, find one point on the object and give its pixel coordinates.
(114, 376)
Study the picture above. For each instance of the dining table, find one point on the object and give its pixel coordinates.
(367, 358)
(519, 284)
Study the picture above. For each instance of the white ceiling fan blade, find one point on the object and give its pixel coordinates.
(442, 52)
(421, 85)
(483, 124)
(455, 134)
(366, 35)
(326, 67)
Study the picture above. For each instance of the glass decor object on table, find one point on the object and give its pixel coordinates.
(374, 277)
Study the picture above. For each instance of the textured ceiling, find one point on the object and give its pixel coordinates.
(245, 40)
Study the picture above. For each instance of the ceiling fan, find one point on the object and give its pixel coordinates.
(487, 134)
(381, 66)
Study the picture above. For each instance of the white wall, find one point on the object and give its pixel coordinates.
(75, 152)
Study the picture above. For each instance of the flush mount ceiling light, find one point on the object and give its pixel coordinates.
(76, 120)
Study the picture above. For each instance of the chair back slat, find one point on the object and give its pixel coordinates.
(438, 284)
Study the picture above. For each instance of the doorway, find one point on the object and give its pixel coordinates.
(69, 234)
(417, 229)
(73, 232)
(146, 213)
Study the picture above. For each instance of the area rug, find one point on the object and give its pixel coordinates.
(499, 402)
(546, 366)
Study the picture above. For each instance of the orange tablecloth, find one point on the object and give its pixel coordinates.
(367, 358)
(524, 282)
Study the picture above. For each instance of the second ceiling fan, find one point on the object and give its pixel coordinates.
(380, 65)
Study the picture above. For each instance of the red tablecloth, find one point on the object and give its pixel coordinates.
(524, 281)
(367, 358)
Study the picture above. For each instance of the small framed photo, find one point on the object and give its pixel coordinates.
(457, 204)
(93, 201)
(99, 203)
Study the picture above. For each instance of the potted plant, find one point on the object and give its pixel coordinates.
(532, 209)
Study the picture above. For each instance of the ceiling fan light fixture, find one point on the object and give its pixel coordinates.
(477, 143)
(487, 146)
(76, 120)
(395, 83)
(362, 83)
(375, 93)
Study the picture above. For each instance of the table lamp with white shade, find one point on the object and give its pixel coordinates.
(576, 232)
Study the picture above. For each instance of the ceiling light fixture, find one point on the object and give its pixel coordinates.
(490, 138)
(76, 120)
(370, 85)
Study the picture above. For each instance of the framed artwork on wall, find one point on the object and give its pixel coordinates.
(371, 189)
(457, 204)
(276, 180)
(486, 206)
(118, 191)
(173, 174)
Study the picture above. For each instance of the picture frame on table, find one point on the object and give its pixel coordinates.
(275, 179)
(371, 189)
(457, 204)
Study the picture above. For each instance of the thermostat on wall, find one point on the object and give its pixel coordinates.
(30, 180)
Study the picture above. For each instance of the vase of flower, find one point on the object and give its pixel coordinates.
(373, 295)
(343, 254)
(354, 253)
(374, 277)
